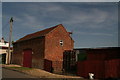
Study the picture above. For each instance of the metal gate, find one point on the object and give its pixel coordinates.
(69, 61)
(48, 65)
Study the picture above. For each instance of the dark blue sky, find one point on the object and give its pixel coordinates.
(0, 19)
(93, 24)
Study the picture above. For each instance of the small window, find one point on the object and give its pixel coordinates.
(61, 42)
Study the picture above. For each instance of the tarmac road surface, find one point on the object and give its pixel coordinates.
(7, 73)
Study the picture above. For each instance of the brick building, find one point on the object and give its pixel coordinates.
(4, 51)
(43, 49)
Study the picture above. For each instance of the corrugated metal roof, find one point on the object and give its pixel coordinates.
(97, 48)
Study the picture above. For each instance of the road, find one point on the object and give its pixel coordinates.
(6, 73)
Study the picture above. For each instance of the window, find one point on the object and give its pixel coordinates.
(61, 42)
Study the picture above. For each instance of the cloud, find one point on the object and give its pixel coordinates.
(84, 19)
(94, 33)
(90, 17)
(93, 19)
(29, 21)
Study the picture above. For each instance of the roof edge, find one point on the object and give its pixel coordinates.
(96, 48)
(36, 32)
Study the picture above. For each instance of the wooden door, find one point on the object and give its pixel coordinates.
(27, 58)
(48, 65)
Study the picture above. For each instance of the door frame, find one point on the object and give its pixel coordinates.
(23, 56)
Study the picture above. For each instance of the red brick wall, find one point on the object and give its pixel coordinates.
(37, 46)
(53, 49)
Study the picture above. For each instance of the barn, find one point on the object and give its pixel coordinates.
(43, 49)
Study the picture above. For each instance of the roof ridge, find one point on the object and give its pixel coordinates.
(38, 33)
(55, 27)
(40, 30)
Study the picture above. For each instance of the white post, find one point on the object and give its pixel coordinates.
(9, 52)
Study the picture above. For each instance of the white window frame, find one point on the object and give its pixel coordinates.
(61, 42)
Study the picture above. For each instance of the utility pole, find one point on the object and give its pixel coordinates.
(10, 37)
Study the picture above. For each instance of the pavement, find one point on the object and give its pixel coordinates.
(21, 73)
(7, 73)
